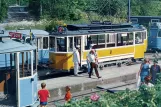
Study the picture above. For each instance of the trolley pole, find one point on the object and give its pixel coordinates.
(129, 11)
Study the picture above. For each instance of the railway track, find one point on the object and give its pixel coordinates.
(112, 88)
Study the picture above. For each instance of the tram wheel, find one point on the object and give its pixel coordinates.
(119, 65)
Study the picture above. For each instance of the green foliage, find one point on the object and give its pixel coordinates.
(34, 7)
(3, 8)
(144, 97)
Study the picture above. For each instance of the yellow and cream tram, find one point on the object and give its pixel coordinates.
(112, 43)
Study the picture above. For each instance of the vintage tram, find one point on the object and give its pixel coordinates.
(18, 79)
(41, 40)
(154, 38)
(113, 43)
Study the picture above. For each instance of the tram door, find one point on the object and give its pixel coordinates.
(27, 78)
(78, 43)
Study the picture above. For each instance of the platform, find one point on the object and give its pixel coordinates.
(109, 75)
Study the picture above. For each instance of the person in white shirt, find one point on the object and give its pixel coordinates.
(88, 62)
(76, 60)
(92, 60)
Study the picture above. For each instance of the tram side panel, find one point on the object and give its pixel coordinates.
(139, 51)
(61, 61)
(116, 53)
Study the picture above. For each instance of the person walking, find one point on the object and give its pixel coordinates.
(88, 63)
(155, 68)
(43, 95)
(144, 70)
(92, 60)
(76, 60)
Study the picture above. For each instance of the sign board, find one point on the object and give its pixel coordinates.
(15, 35)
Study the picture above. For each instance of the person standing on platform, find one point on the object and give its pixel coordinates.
(43, 95)
(88, 63)
(92, 60)
(76, 60)
(154, 70)
(144, 70)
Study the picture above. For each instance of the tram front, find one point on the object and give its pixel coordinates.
(20, 59)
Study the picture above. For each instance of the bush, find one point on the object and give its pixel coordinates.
(53, 24)
(144, 97)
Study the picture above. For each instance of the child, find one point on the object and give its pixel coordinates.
(147, 81)
(43, 95)
(68, 95)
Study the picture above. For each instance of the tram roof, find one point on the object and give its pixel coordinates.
(101, 31)
(9, 46)
(36, 32)
(145, 16)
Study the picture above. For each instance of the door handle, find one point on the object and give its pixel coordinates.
(110, 51)
(32, 79)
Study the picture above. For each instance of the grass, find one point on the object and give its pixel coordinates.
(45, 22)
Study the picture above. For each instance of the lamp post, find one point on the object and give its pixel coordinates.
(129, 11)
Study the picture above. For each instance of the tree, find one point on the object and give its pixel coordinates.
(34, 7)
(3, 10)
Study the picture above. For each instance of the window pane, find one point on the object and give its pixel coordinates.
(130, 38)
(111, 40)
(61, 44)
(25, 64)
(45, 43)
(138, 38)
(88, 42)
(94, 39)
(70, 41)
(52, 43)
(101, 38)
(144, 35)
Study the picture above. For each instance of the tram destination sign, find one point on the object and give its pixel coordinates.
(15, 35)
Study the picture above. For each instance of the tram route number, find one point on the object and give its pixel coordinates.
(15, 35)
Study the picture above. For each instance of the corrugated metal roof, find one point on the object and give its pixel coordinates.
(9, 45)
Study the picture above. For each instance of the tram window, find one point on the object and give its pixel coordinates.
(45, 42)
(93, 39)
(101, 39)
(138, 38)
(144, 35)
(122, 39)
(61, 44)
(98, 41)
(52, 43)
(39, 43)
(130, 38)
(25, 64)
(159, 33)
(88, 42)
(70, 45)
(111, 40)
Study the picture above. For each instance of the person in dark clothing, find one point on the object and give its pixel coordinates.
(92, 60)
(154, 70)
(89, 43)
